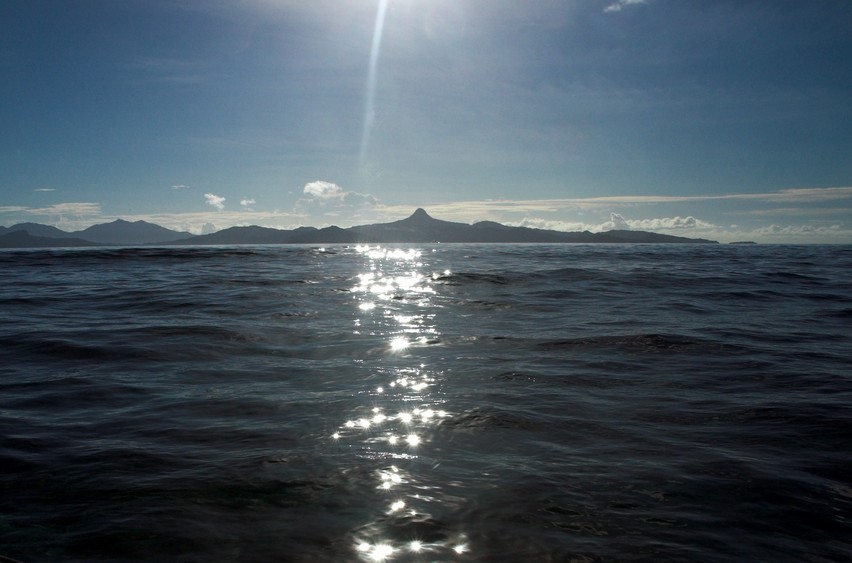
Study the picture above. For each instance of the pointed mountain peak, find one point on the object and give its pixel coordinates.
(420, 214)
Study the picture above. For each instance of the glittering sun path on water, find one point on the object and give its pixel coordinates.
(393, 298)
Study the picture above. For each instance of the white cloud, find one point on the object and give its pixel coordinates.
(44, 190)
(76, 209)
(797, 230)
(179, 187)
(323, 190)
(247, 203)
(809, 194)
(669, 223)
(619, 5)
(325, 194)
(490, 208)
(799, 211)
(215, 200)
(551, 225)
(68, 216)
(792, 214)
(212, 220)
(12, 209)
(618, 222)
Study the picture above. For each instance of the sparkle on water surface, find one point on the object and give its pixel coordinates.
(392, 279)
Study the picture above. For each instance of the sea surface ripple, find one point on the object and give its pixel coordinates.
(427, 403)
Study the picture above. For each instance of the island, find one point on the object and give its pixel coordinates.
(418, 228)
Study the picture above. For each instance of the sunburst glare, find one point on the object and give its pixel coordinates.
(399, 343)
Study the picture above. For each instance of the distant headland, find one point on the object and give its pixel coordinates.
(420, 227)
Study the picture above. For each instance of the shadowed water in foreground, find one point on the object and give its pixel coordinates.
(422, 403)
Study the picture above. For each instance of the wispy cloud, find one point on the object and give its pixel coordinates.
(76, 209)
(12, 209)
(796, 230)
(793, 195)
(69, 216)
(704, 216)
(808, 194)
(247, 203)
(619, 5)
(171, 70)
(796, 211)
(44, 190)
(215, 201)
(179, 187)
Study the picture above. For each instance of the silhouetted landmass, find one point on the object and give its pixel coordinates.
(125, 232)
(119, 232)
(23, 239)
(36, 230)
(266, 235)
(418, 228)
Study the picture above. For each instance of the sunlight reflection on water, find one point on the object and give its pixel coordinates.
(392, 298)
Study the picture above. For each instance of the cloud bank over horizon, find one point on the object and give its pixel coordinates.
(324, 203)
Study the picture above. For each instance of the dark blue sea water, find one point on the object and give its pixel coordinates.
(427, 403)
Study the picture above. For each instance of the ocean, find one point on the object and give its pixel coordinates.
(427, 403)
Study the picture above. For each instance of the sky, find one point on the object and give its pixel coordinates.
(722, 119)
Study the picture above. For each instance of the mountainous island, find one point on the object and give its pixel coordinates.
(420, 227)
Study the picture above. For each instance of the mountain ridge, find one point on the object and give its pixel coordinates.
(117, 233)
(419, 227)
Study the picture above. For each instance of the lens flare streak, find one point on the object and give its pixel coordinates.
(369, 109)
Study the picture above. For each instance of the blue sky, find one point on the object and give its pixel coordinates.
(728, 119)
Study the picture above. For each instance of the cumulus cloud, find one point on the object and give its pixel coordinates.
(618, 222)
(215, 201)
(619, 5)
(670, 223)
(247, 203)
(323, 190)
(208, 228)
(551, 225)
(320, 194)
